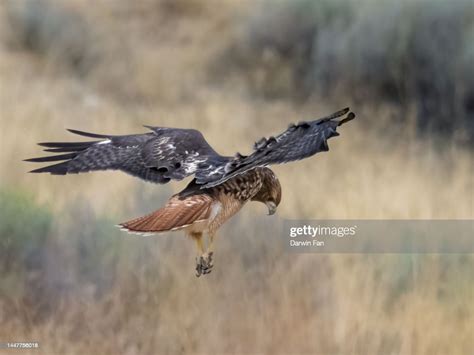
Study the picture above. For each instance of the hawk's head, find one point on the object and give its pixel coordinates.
(270, 193)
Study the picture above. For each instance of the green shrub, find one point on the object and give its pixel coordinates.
(54, 31)
(411, 54)
(24, 228)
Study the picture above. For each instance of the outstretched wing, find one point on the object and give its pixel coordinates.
(159, 156)
(171, 153)
(299, 141)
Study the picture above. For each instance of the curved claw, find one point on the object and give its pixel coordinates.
(204, 264)
(198, 267)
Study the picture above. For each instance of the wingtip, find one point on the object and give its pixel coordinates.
(51, 158)
(32, 160)
(349, 117)
(332, 117)
(37, 171)
(87, 134)
(55, 169)
(339, 113)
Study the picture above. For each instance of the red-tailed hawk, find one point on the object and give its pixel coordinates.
(221, 184)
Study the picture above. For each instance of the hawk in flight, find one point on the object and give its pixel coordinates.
(221, 185)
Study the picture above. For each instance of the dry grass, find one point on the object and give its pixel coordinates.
(140, 295)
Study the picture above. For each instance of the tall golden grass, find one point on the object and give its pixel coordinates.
(154, 60)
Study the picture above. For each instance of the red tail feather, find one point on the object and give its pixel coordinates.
(176, 214)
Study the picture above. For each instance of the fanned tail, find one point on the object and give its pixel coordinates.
(176, 214)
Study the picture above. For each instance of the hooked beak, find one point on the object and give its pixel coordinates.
(271, 207)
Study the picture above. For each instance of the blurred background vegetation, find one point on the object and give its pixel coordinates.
(237, 70)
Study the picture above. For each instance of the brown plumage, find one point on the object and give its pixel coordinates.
(199, 211)
(176, 214)
(221, 185)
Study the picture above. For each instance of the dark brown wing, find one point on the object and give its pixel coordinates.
(299, 141)
(159, 156)
(171, 153)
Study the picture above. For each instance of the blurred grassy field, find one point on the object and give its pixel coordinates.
(76, 284)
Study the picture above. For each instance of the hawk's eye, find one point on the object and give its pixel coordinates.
(177, 165)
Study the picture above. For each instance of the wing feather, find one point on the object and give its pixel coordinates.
(167, 154)
(299, 141)
(159, 156)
